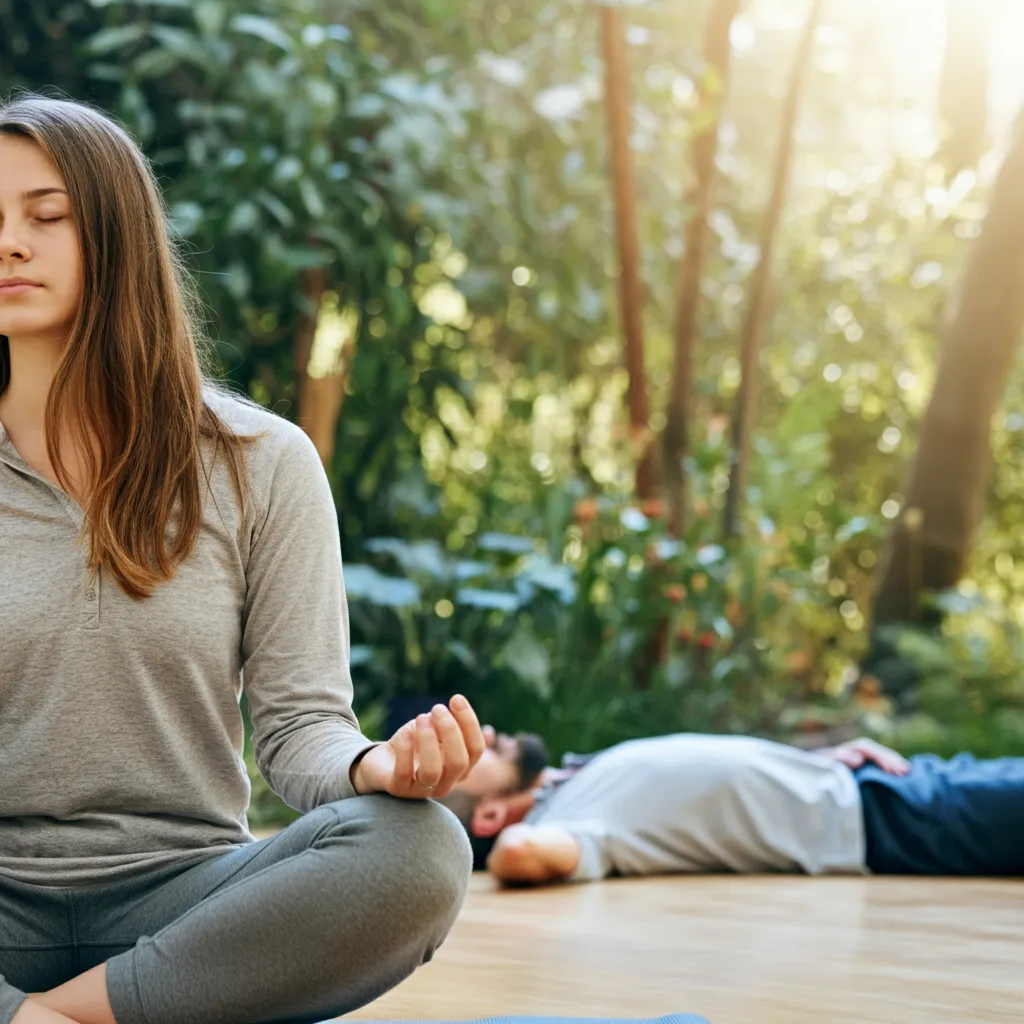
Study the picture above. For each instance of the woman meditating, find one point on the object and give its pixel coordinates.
(165, 543)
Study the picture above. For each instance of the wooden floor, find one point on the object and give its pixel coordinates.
(752, 950)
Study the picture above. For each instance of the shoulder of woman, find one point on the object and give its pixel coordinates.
(276, 435)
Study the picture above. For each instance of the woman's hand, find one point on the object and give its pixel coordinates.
(426, 757)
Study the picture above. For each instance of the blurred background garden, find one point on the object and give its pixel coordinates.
(661, 354)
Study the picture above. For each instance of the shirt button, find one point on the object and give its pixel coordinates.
(91, 594)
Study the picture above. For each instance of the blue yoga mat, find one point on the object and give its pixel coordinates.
(671, 1018)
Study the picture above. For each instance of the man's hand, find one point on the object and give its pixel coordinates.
(863, 751)
(533, 854)
(426, 757)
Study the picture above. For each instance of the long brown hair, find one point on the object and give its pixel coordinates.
(131, 375)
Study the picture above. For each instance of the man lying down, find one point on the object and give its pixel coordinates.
(703, 803)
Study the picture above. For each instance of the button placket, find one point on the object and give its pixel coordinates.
(91, 605)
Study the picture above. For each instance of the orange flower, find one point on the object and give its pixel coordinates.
(809, 725)
(675, 592)
(798, 661)
(868, 696)
(706, 640)
(585, 510)
(701, 509)
(654, 508)
(868, 686)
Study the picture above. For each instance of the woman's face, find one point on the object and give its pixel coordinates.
(38, 245)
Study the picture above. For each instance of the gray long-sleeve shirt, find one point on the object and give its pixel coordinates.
(122, 737)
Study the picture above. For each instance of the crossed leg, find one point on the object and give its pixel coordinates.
(312, 923)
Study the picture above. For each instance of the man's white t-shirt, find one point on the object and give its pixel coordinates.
(690, 802)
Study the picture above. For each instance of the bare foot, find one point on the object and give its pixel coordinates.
(30, 1012)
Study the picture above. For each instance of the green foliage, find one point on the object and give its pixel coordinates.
(972, 694)
(553, 636)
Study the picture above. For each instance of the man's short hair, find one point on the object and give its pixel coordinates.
(532, 759)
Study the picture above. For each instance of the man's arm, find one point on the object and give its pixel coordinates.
(533, 854)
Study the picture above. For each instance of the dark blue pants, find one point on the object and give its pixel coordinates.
(961, 816)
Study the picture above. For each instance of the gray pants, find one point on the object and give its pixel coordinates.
(312, 923)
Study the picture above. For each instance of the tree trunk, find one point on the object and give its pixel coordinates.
(320, 398)
(617, 99)
(946, 490)
(963, 88)
(757, 308)
(711, 92)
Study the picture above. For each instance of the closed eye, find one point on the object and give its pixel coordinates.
(50, 220)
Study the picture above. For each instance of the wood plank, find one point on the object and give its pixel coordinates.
(736, 950)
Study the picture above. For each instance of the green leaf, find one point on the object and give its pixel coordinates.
(710, 554)
(322, 95)
(436, 10)
(458, 650)
(209, 15)
(275, 207)
(237, 281)
(465, 569)
(359, 654)
(373, 200)
(365, 583)
(264, 81)
(525, 656)
(244, 217)
(155, 63)
(548, 575)
(109, 39)
(426, 557)
(304, 258)
(496, 600)
(723, 627)
(106, 72)
(186, 217)
(345, 246)
(311, 198)
(262, 28)
(505, 542)
(857, 525)
(177, 40)
(288, 168)
(722, 668)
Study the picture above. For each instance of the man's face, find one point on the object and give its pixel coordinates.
(497, 771)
